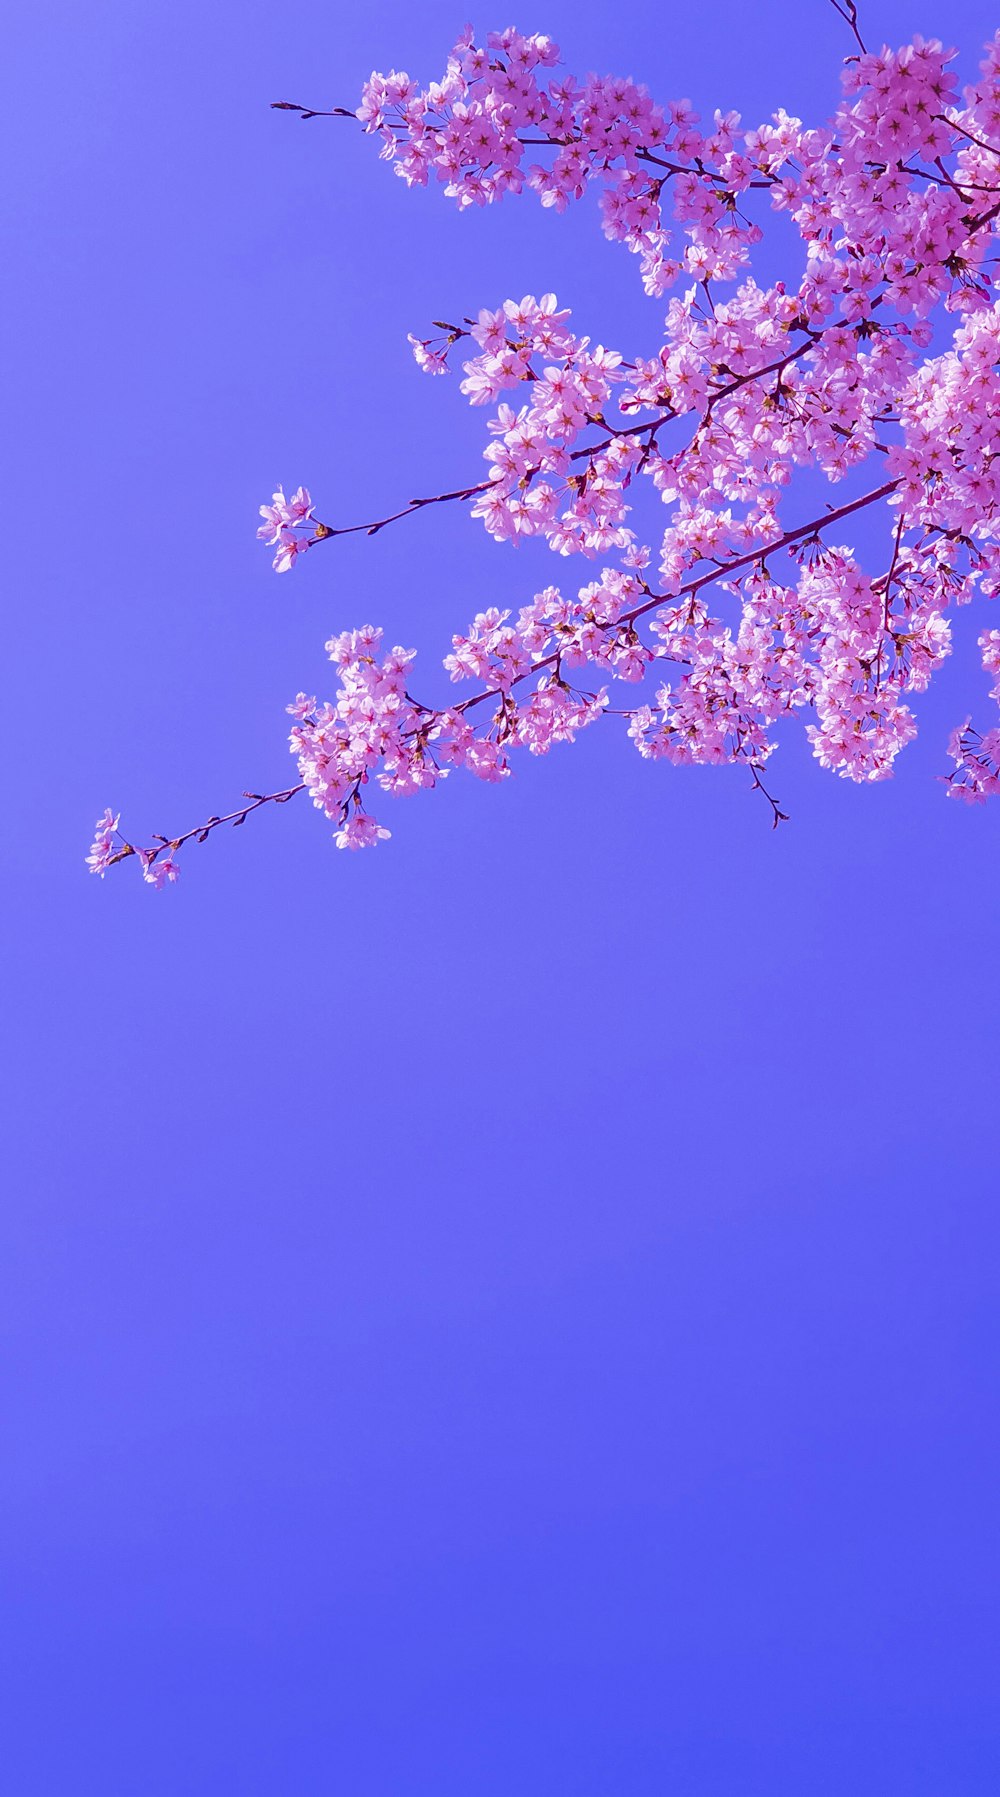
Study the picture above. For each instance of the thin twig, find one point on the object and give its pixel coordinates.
(849, 13)
(372, 527)
(202, 831)
(313, 112)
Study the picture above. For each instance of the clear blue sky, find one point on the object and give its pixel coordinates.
(513, 1313)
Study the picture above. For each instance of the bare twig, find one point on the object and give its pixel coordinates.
(200, 832)
(849, 13)
(313, 112)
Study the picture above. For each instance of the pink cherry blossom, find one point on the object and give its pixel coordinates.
(719, 595)
(158, 873)
(427, 358)
(360, 832)
(103, 849)
(284, 514)
(288, 547)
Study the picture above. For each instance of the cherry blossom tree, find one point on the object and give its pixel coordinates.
(875, 362)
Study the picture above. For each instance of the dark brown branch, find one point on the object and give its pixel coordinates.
(313, 112)
(202, 831)
(801, 532)
(407, 511)
(777, 815)
(688, 590)
(587, 452)
(953, 124)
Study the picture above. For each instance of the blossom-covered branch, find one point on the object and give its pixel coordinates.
(157, 860)
(670, 468)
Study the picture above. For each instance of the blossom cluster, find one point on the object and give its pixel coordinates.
(158, 867)
(671, 470)
(287, 526)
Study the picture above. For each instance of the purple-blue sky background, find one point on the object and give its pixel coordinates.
(514, 1312)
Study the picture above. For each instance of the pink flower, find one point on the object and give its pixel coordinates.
(289, 546)
(103, 849)
(284, 513)
(428, 360)
(299, 507)
(274, 518)
(361, 832)
(160, 872)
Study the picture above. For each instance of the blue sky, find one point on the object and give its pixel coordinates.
(514, 1312)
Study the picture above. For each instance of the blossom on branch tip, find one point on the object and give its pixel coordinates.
(103, 851)
(428, 359)
(284, 514)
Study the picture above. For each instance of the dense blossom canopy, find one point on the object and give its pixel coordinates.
(741, 609)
